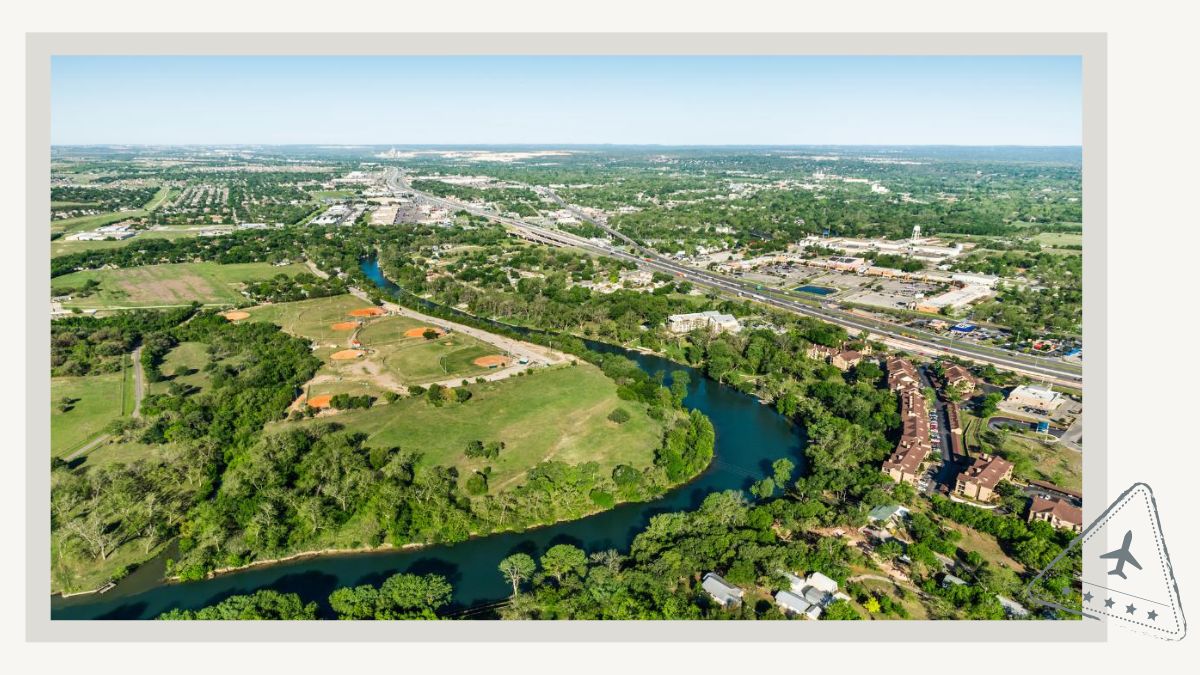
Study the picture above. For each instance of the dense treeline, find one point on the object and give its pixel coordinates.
(255, 371)
(81, 345)
(262, 605)
(65, 199)
(282, 288)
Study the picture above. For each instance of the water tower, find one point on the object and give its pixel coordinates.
(916, 235)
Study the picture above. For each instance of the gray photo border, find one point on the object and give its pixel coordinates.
(40, 47)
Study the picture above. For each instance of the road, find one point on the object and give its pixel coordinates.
(1041, 368)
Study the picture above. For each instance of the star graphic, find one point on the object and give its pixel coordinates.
(1152, 615)
(1130, 609)
(1087, 597)
(1108, 602)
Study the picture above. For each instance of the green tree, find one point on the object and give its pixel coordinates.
(563, 559)
(517, 568)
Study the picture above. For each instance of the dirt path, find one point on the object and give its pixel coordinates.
(90, 444)
(139, 385)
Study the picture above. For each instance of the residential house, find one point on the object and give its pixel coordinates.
(1057, 512)
(726, 594)
(958, 377)
(904, 464)
(979, 481)
(845, 359)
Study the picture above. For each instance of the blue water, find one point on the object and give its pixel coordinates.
(816, 290)
(749, 437)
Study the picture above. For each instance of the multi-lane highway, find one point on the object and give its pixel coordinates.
(921, 341)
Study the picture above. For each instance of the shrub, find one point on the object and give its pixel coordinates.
(619, 415)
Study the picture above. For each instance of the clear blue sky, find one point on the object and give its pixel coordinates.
(560, 100)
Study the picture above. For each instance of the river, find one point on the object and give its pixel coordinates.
(749, 437)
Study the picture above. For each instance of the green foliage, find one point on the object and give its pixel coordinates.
(261, 605)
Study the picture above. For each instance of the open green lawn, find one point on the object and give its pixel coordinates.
(167, 285)
(1060, 238)
(97, 399)
(190, 355)
(558, 413)
(331, 194)
(1033, 459)
(311, 318)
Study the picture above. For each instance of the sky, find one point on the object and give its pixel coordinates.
(675, 100)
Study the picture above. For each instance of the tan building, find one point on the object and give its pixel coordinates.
(904, 464)
(1057, 512)
(845, 359)
(1036, 397)
(980, 480)
(959, 378)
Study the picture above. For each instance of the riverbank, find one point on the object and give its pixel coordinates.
(317, 553)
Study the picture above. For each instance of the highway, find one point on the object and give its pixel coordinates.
(1041, 368)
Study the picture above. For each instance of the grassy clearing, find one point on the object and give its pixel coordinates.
(331, 194)
(190, 355)
(906, 597)
(97, 401)
(1059, 238)
(166, 285)
(985, 545)
(559, 413)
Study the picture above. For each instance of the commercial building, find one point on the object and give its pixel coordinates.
(979, 481)
(711, 320)
(1057, 512)
(1041, 398)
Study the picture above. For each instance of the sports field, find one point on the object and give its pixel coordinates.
(312, 319)
(97, 400)
(558, 413)
(167, 285)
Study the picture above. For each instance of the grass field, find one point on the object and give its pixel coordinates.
(98, 401)
(985, 545)
(165, 285)
(559, 413)
(331, 194)
(1059, 238)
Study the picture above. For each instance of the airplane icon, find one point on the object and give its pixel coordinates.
(1122, 556)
